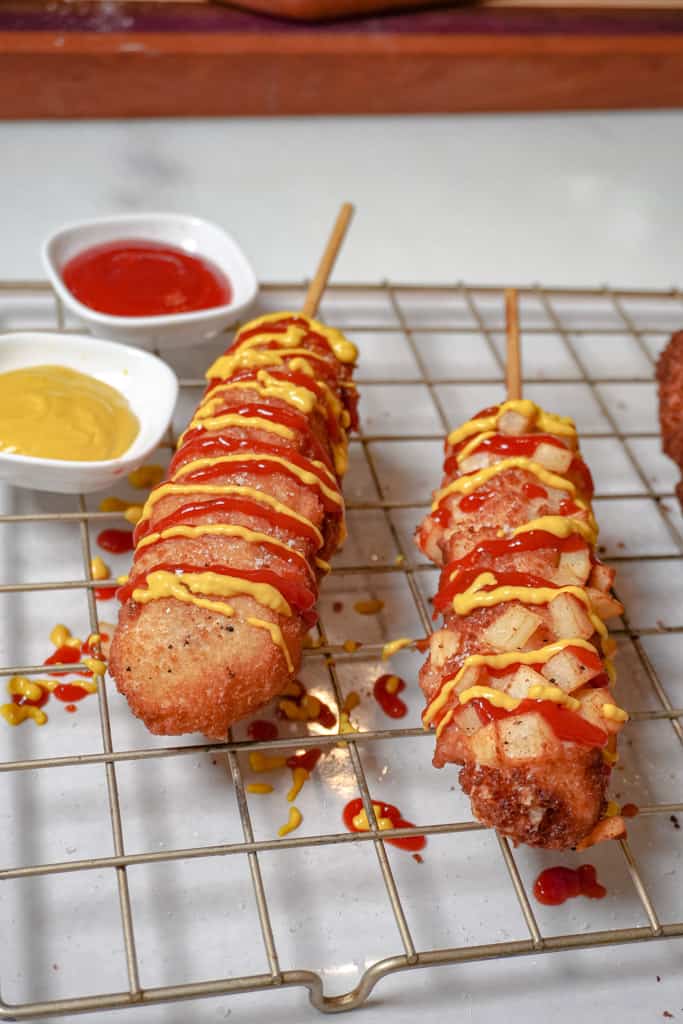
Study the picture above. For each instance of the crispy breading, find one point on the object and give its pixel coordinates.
(186, 669)
(670, 379)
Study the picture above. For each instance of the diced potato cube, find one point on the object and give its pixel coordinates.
(477, 461)
(442, 645)
(483, 745)
(604, 605)
(568, 672)
(517, 684)
(470, 677)
(557, 460)
(574, 567)
(569, 617)
(512, 422)
(511, 630)
(591, 705)
(526, 737)
(468, 720)
(602, 577)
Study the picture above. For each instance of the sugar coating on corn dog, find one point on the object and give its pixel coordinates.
(519, 680)
(231, 546)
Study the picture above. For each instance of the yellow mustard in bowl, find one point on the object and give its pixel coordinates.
(54, 412)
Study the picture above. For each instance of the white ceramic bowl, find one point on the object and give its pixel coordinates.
(149, 384)
(196, 236)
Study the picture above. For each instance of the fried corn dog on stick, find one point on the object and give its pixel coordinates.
(232, 544)
(518, 679)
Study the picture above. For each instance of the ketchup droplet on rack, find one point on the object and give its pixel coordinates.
(70, 692)
(307, 760)
(135, 277)
(70, 708)
(262, 731)
(118, 542)
(105, 593)
(410, 843)
(556, 885)
(63, 656)
(326, 716)
(390, 703)
(19, 698)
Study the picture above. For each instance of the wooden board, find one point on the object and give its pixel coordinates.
(150, 59)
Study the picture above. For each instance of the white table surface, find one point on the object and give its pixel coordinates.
(570, 199)
(580, 199)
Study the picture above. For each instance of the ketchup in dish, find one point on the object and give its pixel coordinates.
(134, 277)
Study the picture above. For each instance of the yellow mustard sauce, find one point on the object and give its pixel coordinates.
(54, 412)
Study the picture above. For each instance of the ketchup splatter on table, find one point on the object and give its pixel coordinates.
(387, 816)
(262, 731)
(386, 692)
(134, 277)
(28, 696)
(556, 885)
(118, 542)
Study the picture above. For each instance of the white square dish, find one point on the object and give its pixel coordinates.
(149, 385)
(192, 234)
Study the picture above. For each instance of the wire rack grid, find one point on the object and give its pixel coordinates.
(584, 329)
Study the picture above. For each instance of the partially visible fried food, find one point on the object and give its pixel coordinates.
(670, 379)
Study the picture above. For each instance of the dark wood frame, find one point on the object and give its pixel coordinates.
(372, 66)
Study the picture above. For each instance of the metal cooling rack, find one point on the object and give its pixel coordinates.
(558, 307)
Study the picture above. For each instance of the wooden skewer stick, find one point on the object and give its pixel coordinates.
(328, 260)
(513, 363)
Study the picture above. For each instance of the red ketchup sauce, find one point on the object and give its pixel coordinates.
(19, 698)
(215, 445)
(556, 885)
(410, 843)
(473, 502)
(105, 593)
(480, 558)
(63, 656)
(118, 542)
(70, 692)
(307, 760)
(390, 703)
(262, 730)
(231, 503)
(134, 277)
(326, 716)
(567, 725)
(531, 491)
